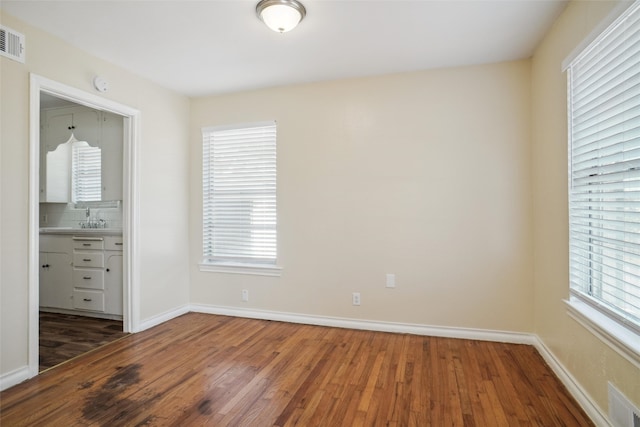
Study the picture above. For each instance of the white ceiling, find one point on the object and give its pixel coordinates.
(210, 47)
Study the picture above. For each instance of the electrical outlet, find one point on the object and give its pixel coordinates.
(45, 219)
(391, 280)
(245, 295)
(355, 298)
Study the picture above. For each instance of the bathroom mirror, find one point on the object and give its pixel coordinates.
(86, 172)
(74, 173)
(58, 165)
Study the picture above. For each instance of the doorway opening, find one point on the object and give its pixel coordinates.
(83, 216)
(80, 216)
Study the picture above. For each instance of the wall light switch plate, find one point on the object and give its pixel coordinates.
(391, 280)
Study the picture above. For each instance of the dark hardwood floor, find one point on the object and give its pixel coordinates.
(203, 369)
(64, 336)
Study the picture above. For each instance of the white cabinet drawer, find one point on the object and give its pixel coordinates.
(88, 300)
(91, 279)
(55, 243)
(113, 243)
(88, 259)
(79, 243)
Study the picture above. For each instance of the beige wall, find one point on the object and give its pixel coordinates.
(162, 172)
(587, 359)
(454, 180)
(425, 175)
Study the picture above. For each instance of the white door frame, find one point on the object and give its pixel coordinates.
(130, 203)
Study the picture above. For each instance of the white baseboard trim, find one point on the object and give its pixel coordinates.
(575, 389)
(369, 325)
(582, 397)
(163, 317)
(14, 377)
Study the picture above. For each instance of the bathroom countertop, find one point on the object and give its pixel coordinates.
(81, 231)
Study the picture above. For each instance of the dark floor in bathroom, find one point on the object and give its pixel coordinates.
(65, 336)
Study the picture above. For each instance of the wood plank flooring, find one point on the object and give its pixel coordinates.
(65, 336)
(202, 369)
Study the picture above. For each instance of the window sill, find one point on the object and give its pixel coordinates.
(254, 269)
(624, 341)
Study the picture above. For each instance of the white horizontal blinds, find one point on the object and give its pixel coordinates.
(604, 104)
(86, 173)
(239, 198)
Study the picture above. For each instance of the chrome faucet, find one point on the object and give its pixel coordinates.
(95, 223)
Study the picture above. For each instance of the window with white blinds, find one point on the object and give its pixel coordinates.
(86, 172)
(604, 199)
(239, 194)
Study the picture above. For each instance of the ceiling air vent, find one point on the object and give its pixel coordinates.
(11, 44)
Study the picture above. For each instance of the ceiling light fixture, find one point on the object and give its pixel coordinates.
(281, 15)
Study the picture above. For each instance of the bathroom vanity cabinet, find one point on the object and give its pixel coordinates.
(81, 272)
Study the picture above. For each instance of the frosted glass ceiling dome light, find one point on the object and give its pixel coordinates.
(281, 15)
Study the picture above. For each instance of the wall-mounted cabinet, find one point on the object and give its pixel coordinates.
(61, 122)
(98, 129)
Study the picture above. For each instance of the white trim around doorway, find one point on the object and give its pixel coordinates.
(130, 202)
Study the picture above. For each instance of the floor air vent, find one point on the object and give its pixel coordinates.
(622, 412)
(12, 44)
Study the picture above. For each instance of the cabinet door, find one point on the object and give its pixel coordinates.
(47, 292)
(113, 283)
(85, 123)
(57, 128)
(56, 282)
(112, 137)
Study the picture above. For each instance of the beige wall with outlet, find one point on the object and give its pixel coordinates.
(424, 175)
(590, 361)
(454, 180)
(163, 180)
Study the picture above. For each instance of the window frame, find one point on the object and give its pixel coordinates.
(222, 264)
(618, 332)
